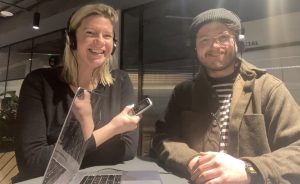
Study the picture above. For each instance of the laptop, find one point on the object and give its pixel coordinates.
(68, 153)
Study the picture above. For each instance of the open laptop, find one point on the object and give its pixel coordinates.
(69, 150)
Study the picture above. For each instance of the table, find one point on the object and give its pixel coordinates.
(135, 164)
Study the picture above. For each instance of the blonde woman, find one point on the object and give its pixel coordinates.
(46, 95)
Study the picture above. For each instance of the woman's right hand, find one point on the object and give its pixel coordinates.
(125, 121)
(82, 110)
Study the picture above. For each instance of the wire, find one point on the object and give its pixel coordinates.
(77, 67)
(282, 67)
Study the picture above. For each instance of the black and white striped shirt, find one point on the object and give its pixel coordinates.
(223, 88)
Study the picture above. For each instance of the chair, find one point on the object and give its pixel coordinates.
(8, 167)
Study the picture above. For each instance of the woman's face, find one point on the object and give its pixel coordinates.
(94, 41)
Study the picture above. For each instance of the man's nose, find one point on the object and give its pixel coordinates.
(215, 42)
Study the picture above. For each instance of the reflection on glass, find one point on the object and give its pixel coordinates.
(2, 87)
(70, 147)
(46, 47)
(14, 86)
(3, 63)
(19, 61)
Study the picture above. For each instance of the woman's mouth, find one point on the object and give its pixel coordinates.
(96, 51)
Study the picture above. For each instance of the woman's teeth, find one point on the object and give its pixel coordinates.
(95, 51)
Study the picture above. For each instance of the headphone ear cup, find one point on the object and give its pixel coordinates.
(241, 46)
(114, 47)
(240, 42)
(72, 39)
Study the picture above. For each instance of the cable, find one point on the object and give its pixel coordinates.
(77, 68)
(282, 67)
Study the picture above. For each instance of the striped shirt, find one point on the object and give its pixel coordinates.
(223, 88)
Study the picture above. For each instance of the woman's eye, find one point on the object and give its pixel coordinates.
(90, 33)
(108, 36)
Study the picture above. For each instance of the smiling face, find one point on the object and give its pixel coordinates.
(216, 49)
(94, 42)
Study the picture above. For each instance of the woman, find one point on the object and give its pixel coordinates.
(47, 93)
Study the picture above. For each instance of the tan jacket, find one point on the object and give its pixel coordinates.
(264, 125)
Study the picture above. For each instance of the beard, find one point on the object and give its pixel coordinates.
(218, 65)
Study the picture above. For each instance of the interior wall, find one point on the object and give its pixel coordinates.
(275, 45)
(282, 63)
(271, 31)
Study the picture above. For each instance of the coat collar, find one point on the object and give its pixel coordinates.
(246, 70)
(249, 71)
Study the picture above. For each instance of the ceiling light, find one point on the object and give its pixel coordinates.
(36, 20)
(6, 14)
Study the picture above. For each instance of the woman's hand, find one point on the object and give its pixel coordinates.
(125, 121)
(121, 123)
(82, 110)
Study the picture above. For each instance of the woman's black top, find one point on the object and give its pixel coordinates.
(43, 105)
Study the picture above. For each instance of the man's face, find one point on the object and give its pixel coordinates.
(216, 49)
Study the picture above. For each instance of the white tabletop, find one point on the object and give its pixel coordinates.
(135, 164)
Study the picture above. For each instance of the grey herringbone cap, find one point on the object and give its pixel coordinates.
(214, 15)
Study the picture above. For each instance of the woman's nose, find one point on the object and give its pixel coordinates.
(99, 39)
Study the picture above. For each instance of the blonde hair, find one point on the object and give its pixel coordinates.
(101, 74)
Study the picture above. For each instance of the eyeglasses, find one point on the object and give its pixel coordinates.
(222, 39)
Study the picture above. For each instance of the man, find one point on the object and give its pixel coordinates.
(233, 123)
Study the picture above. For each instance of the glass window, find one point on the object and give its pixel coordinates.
(48, 47)
(3, 63)
(20, 60)
(14, 86)
(155, 47)
(2, 89)
(130, 40)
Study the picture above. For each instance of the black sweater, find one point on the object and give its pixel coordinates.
(43, 105)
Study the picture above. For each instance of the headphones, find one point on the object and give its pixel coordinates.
(71, 36)
(240, 40)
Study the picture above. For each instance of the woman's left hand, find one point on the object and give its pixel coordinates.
(125, 121)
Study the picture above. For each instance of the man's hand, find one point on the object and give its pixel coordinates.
(217, 168)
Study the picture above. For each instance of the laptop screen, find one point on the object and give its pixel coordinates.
(70, 147)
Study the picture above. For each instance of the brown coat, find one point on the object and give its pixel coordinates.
(264, 125)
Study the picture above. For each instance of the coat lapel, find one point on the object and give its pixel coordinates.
(240, 100)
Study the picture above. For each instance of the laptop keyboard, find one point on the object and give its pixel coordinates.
(102, 179)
